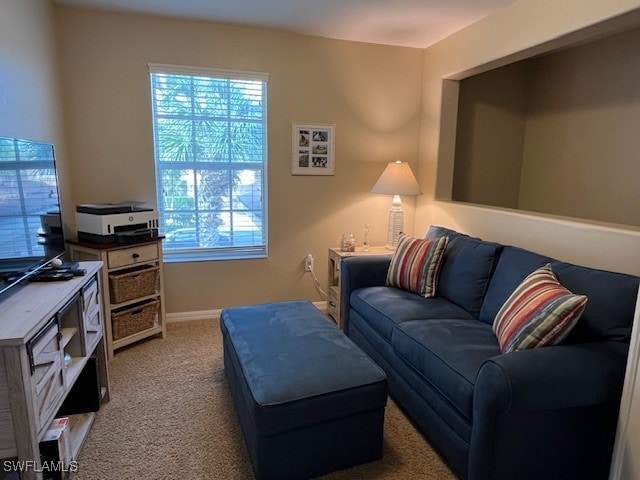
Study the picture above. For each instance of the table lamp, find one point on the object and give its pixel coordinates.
(397, 179)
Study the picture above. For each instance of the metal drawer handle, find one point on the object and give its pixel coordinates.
(135, 256)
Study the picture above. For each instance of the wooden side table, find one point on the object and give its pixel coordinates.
(149, 306)
(336, 256)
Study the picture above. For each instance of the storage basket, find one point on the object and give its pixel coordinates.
(133, 283)
(136, 318)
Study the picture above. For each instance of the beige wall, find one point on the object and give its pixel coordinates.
(30, 106)
(582, 147)
(370, 92)
(516, 32)
(490, 136)
(104, 60)
(29, 98)
(555, 134)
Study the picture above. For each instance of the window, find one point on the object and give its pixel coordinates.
(210, 144)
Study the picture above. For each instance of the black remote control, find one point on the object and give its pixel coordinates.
(51, 276)
(76, 272)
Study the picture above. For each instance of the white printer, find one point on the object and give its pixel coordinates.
(115, 223)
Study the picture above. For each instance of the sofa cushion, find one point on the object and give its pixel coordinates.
(436, 231)
(514, 264)
(415, 265)
(447, 353)
(602, 318)
(385, 307)
(467, 265)
(538, 313)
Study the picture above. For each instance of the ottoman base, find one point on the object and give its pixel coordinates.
(331, 440)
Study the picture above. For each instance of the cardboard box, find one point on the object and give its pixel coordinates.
(55, 450)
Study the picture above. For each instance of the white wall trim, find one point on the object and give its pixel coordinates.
(625, 448)
(196, 315)
(215, 314)
(322, 306)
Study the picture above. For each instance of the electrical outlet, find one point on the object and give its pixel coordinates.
(308, 263)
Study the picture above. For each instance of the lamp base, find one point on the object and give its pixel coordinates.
(394, 228)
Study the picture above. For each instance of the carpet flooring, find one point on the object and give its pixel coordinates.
(171, 417)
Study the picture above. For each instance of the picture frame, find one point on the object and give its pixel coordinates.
(312, 149)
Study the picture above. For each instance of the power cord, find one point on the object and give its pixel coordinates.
(317, 283)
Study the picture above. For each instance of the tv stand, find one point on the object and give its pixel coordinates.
(51, 340)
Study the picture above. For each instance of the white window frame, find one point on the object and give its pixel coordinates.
(214, 253)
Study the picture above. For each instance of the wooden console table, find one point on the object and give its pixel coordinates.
(51, 335)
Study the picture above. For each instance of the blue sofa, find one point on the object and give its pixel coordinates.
(545, 413)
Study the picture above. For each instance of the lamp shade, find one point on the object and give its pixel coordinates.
(397, 179)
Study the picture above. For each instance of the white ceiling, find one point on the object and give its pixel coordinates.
(410, 23)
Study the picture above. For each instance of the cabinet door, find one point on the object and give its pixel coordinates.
(91, 314)
(46, 359)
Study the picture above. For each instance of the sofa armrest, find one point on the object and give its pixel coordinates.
(360, 272)
(552, 399)
(563, 376)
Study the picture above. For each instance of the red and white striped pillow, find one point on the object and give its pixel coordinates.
(538, 313)
(415, 265)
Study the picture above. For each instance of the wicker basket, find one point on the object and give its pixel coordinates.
(133, 319)
(133, 283)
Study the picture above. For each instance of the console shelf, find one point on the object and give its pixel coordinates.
(79, 426)
(49, 333)
(67, 335)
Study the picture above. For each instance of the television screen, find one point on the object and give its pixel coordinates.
(30, 222)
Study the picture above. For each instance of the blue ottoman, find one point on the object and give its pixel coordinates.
(308, 399)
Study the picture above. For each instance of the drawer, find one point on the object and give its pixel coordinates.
(46, 361)
(333, 306)
(132, 255)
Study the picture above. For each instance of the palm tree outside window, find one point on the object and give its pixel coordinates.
(210, 138)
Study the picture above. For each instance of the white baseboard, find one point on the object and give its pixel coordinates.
(322, 306)
(215, 314)
(197, 315)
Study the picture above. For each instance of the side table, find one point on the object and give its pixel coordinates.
(136, 310)
(336, 256)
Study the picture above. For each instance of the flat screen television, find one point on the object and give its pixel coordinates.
(30, 221)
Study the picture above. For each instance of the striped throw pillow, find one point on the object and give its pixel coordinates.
(415, 264)
(538, 313)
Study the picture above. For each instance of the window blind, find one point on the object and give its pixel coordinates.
(210, 146)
